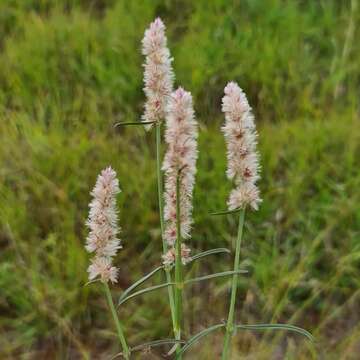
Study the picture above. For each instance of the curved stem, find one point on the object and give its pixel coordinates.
(178, 268)
(161, 214)
(231, 315)
(125, 348)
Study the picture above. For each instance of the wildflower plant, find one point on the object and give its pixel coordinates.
(175, 108)
(103, 241)
(243, 168)
(180, 168)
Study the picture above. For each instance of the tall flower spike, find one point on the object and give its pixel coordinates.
(241, 140)
(158, 74)
(180, 135)
(102, 222)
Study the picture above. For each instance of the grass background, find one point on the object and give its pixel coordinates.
(69, 70)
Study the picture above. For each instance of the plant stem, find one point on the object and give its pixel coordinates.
(178, 268)
(161, 214)
(125, 348)
(231, 316)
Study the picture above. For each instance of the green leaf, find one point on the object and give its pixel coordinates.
(91, 282)
(207, 331)
(225, 212)
(205, 253)
(277, 327)
(197, 337)
(157, 343)
(138, 283)
(210, 252)
(149, 344)
(211, 276)
(144, 291)
(139, 123)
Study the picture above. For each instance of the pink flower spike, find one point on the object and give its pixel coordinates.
(158, 73)
(102, 223)
(241, 140)
(181, 137)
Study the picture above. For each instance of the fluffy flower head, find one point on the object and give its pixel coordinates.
(181, 138)
(241, 140)
(102, 267)
(102, 223)
(158, 73)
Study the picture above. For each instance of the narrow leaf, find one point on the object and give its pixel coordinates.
(91, 282)
(211, 276)
(157, 343)
(197, 337)
(225, 212)
(210, 252)
(172, 350)
(117, 355)
(277, 327)
(144, 291)
(137, 123)
(139, 282)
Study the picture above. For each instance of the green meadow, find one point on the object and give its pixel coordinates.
(70, 70)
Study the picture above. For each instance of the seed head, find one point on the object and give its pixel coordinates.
(102, 223)
(158, 74)
(181, 138)
(241, 140)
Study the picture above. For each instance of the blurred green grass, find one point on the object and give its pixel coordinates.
(69, 70)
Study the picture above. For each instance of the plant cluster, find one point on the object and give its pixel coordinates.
(174, 109)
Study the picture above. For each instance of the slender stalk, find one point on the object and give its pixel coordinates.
(178, 269)
(125, 348)
(231, 316)
(161, 214)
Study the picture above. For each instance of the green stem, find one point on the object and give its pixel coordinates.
(178, 268)
(231, 316)
(125, 348)
(161, 214)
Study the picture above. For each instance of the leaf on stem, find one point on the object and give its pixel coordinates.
(91, 282)
(138, 283)
(197, 337)
(277, 327)
(157, 343)
(136, 123)
(225, 212)
(211, 276)
(210, 252)
(144, 291)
